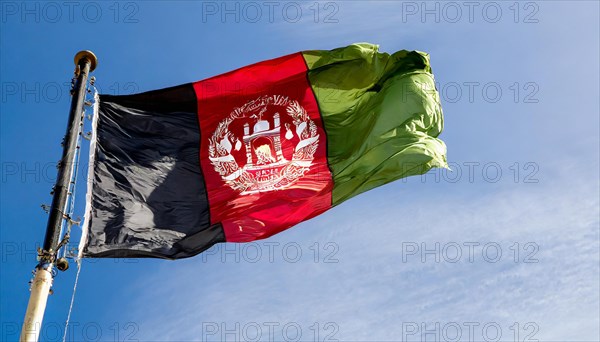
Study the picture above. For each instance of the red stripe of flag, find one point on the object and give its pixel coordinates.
(262, 149)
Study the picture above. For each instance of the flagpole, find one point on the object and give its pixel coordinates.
(85, 62)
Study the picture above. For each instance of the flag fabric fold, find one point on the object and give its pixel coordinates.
(247, 154)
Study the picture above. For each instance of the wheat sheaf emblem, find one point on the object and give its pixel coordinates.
(265, 167)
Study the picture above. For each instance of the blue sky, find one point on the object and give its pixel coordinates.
(505, 247)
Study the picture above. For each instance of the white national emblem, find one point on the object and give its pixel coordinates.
(265, 165)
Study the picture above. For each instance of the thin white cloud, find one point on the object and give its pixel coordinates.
(371, 294)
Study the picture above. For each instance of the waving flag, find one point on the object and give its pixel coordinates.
(247, 154)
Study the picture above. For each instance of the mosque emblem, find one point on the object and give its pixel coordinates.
(265, 145)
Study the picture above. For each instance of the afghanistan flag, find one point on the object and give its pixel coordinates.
(247, 154)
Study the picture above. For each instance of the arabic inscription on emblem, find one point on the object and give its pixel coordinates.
(262, 164)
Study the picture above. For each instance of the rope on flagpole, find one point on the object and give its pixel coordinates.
(70, 212)
(78, 261)
(90, 174)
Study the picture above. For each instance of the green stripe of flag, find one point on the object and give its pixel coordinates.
(382, 115)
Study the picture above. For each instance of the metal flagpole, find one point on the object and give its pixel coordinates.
(85, 62)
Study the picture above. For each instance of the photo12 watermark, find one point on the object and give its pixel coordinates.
(470, 252)
(269, 331)
(54, 92)
(252, 12)
(469, 332)
(272, 252)
(13, 252)
(53, 331)
(471, 12)
(526, 92)
(69, 12)
(477, 171)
